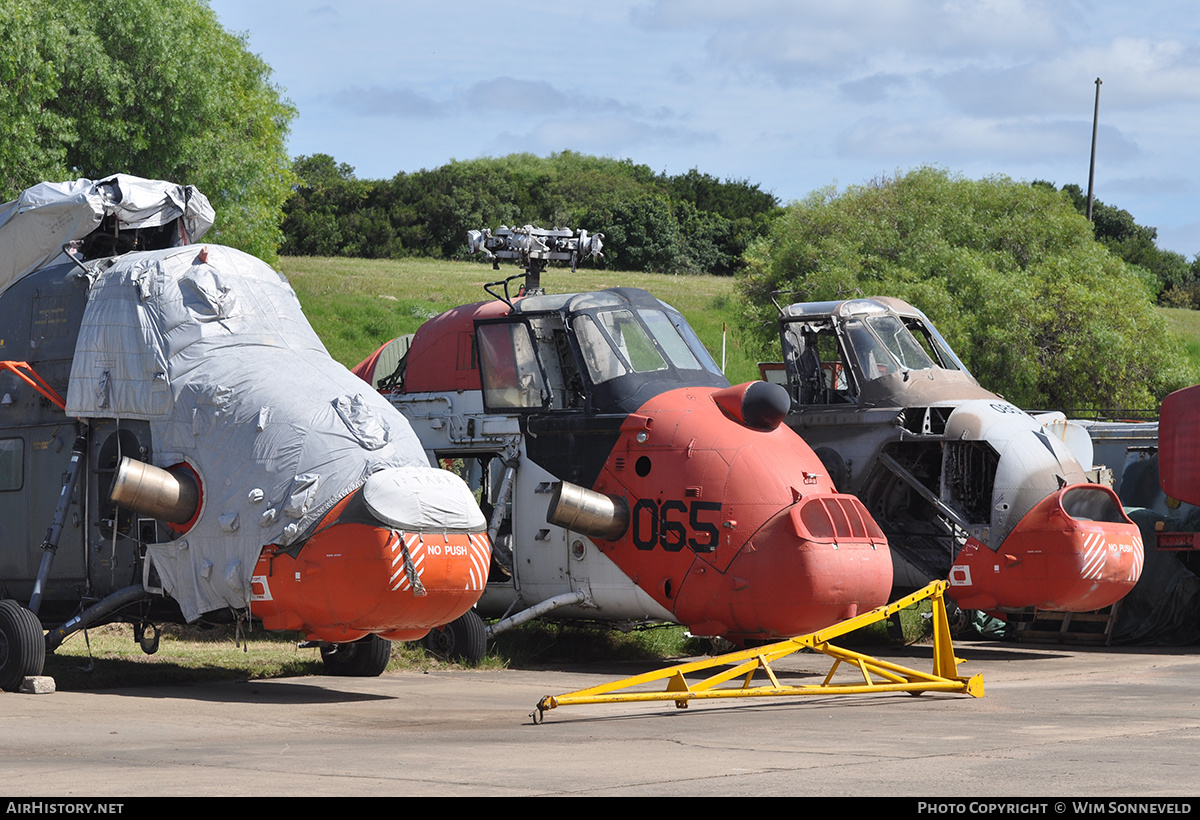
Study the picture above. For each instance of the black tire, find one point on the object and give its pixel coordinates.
(22, 645)
(364, 658)
(463, 639)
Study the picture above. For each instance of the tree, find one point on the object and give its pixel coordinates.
(35, 138)
(686, 224)
(154, 88)
(1011, 274)
(1167, 272)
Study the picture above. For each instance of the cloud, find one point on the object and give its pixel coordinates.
(377, 101)
(502, 96)
(1135, 74)
(604, 136)
(795, 42)
(965, 140)
(533, 97)
(873, 89)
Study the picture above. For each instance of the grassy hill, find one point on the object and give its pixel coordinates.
(356, 305)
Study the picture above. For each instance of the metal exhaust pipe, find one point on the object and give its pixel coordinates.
(588, 512)
(171, 496)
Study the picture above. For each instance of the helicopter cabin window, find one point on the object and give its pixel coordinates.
(614, 343)
(509, 368)
(603, 362)
(900, 342)
(12, 462)
(883, 345)
(667, 334)
(630, 341)
(693, 343)
(934, 347)
(815, 364)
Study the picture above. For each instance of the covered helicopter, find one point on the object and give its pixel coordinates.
(968, 487)
(209, 461)
(624, 479)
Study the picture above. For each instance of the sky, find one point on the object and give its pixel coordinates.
(794, 96)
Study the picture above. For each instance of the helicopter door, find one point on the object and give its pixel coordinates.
(14, 526)
(511, 375)
(33, 463)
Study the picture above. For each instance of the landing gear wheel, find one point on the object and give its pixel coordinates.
(22, 645)
(463, 639)
(364, 658)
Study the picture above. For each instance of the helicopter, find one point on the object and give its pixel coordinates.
(625, 481)
(170, 417)
(967, 487)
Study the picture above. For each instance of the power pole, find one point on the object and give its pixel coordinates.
(1092, 169)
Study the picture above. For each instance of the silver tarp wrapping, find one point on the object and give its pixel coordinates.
(209, 345)
(35, 226)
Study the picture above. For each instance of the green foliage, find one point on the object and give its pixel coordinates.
(155, 89)
(692, 223)
(35, 137)
(1169, 275)
(1009, 272)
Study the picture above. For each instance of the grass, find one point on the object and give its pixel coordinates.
(1186, 323)
(356, 305)
(108, 657)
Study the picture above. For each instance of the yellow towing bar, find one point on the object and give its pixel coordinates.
(877, 675)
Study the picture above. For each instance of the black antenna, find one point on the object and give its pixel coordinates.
(1092, 169)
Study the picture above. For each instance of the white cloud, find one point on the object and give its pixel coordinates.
(605, 136)
(960, 140)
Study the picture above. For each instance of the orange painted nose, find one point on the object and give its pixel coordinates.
(352, 579)
(1075, 551)
(815, 563)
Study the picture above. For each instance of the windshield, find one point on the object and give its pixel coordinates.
(615, 343)
(882, 345)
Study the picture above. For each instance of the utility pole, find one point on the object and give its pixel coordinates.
(1092, 169)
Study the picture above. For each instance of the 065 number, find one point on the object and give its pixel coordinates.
(673, 524)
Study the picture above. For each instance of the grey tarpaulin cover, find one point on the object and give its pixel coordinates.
(209, 345)
(35, 226)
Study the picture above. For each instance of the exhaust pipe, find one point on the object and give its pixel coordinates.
(593, 514)
(168, 495)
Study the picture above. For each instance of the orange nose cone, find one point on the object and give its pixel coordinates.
(352, 579)
(817, 563)
(1076, 551)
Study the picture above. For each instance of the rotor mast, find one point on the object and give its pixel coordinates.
(533, 248)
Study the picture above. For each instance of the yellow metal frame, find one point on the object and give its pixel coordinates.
(744, 665)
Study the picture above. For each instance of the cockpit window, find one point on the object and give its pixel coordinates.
(900, 342)
(669, 339)
(933, 344)
(622, 341)
(613, 344)
(693, 343)
(598, 355)
(884, 345)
